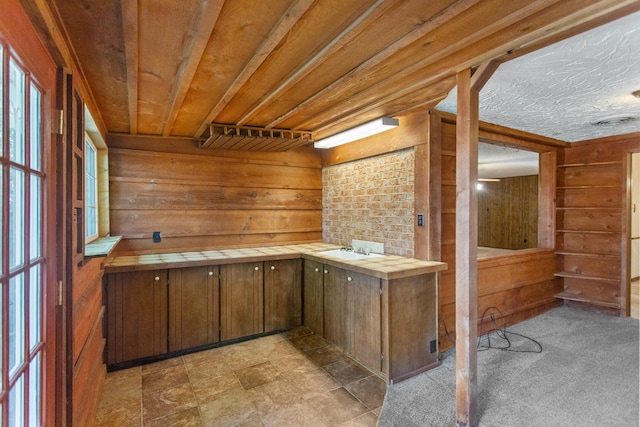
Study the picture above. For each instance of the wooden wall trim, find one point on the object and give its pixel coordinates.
(157, 144)
(511, 137)
(412, 131)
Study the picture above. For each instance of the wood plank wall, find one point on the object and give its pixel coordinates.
(89, 369)
(521, 285)
(508, 213)
(592, 220)
(202, 199)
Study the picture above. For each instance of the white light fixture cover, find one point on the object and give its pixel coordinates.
(358, 132)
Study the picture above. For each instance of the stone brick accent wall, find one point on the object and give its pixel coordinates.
(371, 199)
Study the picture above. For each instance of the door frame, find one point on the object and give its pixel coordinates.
(24, 43)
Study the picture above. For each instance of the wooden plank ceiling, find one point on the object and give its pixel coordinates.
(172, 67)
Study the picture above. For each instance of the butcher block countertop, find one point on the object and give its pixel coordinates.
(387, 267)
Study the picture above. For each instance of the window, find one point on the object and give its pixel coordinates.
(22, 181)
(91, 190)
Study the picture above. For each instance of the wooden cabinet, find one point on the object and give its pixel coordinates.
(344, 307)
(313, 296)
(352, 314)
(390, 326)
(136, 315)
(241, 300)
(364, 321)
(335, 310)
(194, 301)
(282, 294)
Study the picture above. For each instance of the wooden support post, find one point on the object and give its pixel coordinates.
(466, 250)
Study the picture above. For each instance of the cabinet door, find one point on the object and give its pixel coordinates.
(241, 300)
(335, 307)
(282, 295)
(365, 343)
(193, 307)
(136, 315)
(313, 296)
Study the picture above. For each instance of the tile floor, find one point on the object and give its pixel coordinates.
(291, 379)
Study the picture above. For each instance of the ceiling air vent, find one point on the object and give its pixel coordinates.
(615, 120)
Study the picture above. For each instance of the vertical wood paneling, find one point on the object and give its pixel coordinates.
(508, 213)
(89, 370)
(200, 199)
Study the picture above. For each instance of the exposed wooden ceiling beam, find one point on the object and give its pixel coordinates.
(282, 28)
(583, 19)
(483, 73)
(443, 58)
(373, 62)
(347, 35)
(347, 83)
(130, 29)
(210, 13)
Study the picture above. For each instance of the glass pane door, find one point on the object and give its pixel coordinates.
(21, 278)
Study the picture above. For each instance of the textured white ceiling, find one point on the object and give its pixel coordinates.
(561, 90)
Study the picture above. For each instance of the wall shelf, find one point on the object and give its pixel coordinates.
(570, 275)
(577, 165)
(587, 300)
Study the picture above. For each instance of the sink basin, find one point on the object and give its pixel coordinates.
(347, 255)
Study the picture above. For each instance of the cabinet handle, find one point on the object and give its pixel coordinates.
(157, 278)
(256, 268)
(317, 269)
(211, 273)
(349, 278)
(326, 271)
(273, 267)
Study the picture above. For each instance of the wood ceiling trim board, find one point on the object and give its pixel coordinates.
(130, 28)
(369, 65)
(348, 87)
(211, 11)
(281, 29)
(336, 44)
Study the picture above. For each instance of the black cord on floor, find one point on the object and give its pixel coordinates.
(502, 335)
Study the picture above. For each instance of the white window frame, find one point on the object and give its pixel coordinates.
(91, 205)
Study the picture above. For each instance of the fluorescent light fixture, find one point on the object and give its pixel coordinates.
(358, 132)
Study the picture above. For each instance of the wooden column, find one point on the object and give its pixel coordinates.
(466, 250)
(467, 129)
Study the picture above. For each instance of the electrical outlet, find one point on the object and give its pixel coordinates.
(156, 237)
(432, 346)
(420, 220)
